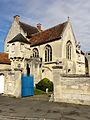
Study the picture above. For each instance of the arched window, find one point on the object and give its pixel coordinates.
(48, 53)
(35, 52)
(69, 50)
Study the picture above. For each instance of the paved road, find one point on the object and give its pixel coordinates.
(31, 109)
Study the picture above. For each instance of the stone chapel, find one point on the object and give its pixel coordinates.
(36, 51)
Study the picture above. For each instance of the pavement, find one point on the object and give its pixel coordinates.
(34, 108)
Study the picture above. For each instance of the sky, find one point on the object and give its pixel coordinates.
(49, 13)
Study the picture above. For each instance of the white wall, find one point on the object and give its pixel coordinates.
(1, 83)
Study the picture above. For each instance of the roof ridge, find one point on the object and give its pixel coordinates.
(49, 28)
(27, 24)
(28, 28)
(57, 25)
(48, 35)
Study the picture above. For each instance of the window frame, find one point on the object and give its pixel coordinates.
(13, 47)
(35, 53)
(7, 47)
(21, 46)
(69, 50)
(48, 53)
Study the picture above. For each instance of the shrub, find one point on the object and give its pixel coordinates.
(38, 92)
(45, 83)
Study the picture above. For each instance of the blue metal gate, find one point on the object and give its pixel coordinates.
(27, 86)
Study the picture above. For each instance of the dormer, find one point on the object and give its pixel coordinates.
(19, 47)
(17, 27)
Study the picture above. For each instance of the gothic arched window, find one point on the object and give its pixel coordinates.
(69, 50)
(48, 53)
(35, 52)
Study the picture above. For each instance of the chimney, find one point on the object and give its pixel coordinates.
(17, 18)
(39, 27)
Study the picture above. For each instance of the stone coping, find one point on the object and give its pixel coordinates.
(74, 75)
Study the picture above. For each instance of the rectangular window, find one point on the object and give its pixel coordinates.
(7, 48)
(50, 55)
(13, 47)
(21, 46)
(45, 55)
(70, 52)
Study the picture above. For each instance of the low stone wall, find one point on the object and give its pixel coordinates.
(71, 89)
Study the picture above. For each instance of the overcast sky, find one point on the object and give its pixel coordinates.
(49, 13)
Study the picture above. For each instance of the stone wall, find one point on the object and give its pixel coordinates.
(4, 67)
(13, 83)
(71, 88)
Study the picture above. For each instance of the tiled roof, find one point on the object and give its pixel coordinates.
(48, 35)
(28, 28)
(4, 58)
(19, 38)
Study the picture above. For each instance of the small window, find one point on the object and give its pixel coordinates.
(19, 65)
(7, 48)
(69, 70)
(79, 57)
(13, 47)
(79, 68)
(21, 46)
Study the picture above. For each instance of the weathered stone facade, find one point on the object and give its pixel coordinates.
(73, 61)
(53, 53)
(35, 52)
(13, 83)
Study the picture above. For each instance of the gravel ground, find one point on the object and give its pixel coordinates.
(32, 109)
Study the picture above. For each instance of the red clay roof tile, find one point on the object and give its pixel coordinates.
(48, 35)
(28, 28)
(4, 58)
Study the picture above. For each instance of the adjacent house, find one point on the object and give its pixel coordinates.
(5, 65)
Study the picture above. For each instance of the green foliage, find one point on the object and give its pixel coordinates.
(38, 92)
(45, 83)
